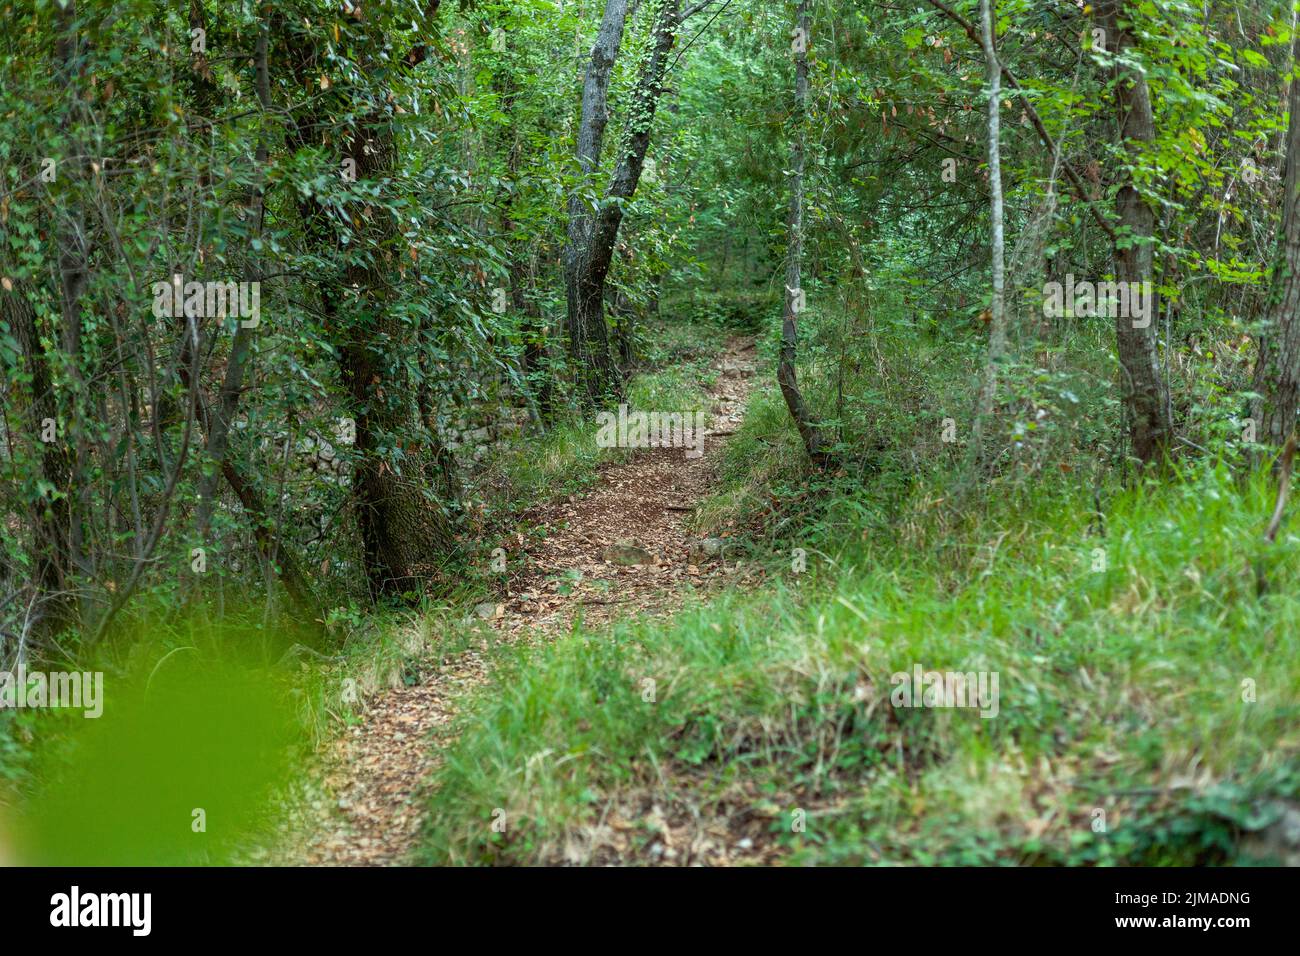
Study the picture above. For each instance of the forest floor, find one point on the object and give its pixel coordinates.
(375, 778)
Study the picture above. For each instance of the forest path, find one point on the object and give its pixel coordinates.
(378, 773)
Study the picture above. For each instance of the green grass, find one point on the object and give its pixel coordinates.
(1121, 690)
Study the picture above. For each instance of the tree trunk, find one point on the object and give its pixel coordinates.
(590, 258)
(536, 374)
(624, 330)
(74, 251)
(217, 417)
(50, 514)
(584, 282)
(533, 372)
(405, 530)
(1277, 369)
(227, 403)
(1145, 393)
(786, 375)
(998, 322)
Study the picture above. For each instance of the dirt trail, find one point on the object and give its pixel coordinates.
(379, 772)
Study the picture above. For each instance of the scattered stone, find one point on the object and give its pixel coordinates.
(1278, 843)
(627, 552)
(704, 550)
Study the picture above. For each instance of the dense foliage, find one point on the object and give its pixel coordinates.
(300, 301)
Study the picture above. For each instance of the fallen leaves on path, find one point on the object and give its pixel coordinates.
(377, 774)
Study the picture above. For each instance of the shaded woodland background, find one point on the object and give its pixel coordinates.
(474, 224)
